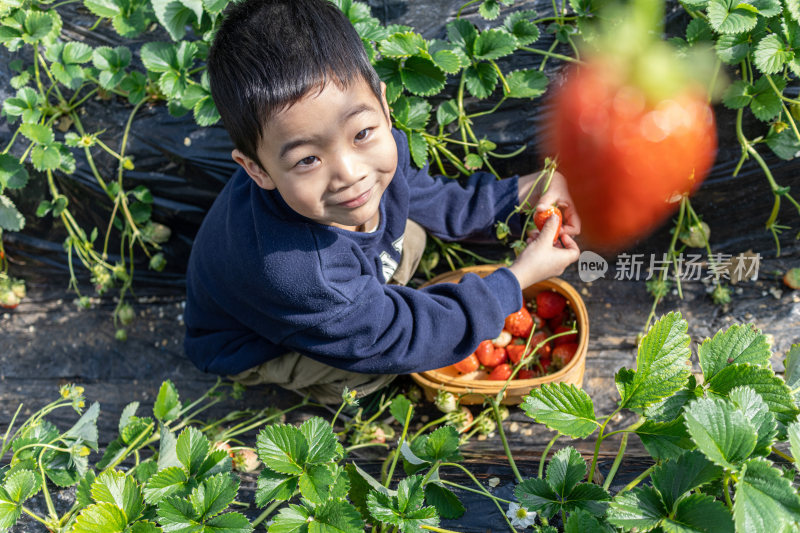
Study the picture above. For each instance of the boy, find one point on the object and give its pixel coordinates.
(297, 274)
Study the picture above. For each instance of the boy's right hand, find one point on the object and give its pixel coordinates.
(542, 259)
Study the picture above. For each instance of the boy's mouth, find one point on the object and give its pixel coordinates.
(358, 201)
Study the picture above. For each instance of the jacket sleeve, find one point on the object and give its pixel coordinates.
(330, 311)
(451, 210)
(382, 329)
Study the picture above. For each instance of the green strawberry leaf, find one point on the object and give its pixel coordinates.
(25, 104)
(665, 440)
(121, 491)
(740, 343)
(462, 33)
(793, 6)
(38, 133)
(214, 495)
(522, 27)
(791, 365)
(563, 408)
(20, 485)
(537, 495)
(315, 483)
(191, 449)
(447, 112)
(494, 44)
(386, 509)
(283, 448)
(767, 8)
(137, 430)
(85, 429)
(489, 9)
(481, 80)
(771, 54)
(422, 77)
(737, 95)
(442, 445)
(274, 486)
(10, 511)
(699, 513)
(102, 8)
(793, 431)
(228, 523)
(167, 405)
(447, 60)
(771, 388)
(418, 147)
(414, 113)
(698, 30)
(159, 56)
(526, 83)
(402, 45)
(757, 411)
(205, 112)
(662, 364)
(731, 16)
(766, 103)
(732, 49)
(401, 408)
(582, 522)
(783, 143)
(323, 444)
(565, 470)
(167, 449)
(640, 508)
(176, 514)
(173, 16)
(37, 26)
(673, 479)
(100, 517)
(76, 53)
(721, 431)
(127, 412)
(10, 217)
(447, 504)
(765, 500)
(169, 481)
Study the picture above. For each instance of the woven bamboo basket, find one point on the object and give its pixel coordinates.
(471, 388)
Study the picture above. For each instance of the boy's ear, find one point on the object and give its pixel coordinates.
(254, 170)
(385, 104)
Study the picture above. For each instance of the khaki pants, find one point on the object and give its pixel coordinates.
(324, 383)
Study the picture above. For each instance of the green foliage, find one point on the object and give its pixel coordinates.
(710, 442)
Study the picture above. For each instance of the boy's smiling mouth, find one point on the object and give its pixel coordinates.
(359, 200)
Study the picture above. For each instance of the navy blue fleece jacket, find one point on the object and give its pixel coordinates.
(263, 280)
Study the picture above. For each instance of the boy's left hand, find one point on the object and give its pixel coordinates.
(557, 194)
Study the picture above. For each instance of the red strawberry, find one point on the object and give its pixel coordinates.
(549, 304)
(516, 351)
(540, 217)
(563, 354)
(526, 374)
(470, 364)
(501, 373)
(566, 339)
(520, 323)
(539, 337)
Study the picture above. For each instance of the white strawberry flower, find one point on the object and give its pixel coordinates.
(520, 517)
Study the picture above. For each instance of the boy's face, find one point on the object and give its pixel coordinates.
(331, 155)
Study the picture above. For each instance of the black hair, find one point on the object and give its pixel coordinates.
(268, 54)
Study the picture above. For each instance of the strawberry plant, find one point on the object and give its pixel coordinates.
(184, 482)
(711, 443)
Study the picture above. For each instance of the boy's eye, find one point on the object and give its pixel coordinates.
(306, 161)
(361, 135)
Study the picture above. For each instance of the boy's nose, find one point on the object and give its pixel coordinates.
(349, 170)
